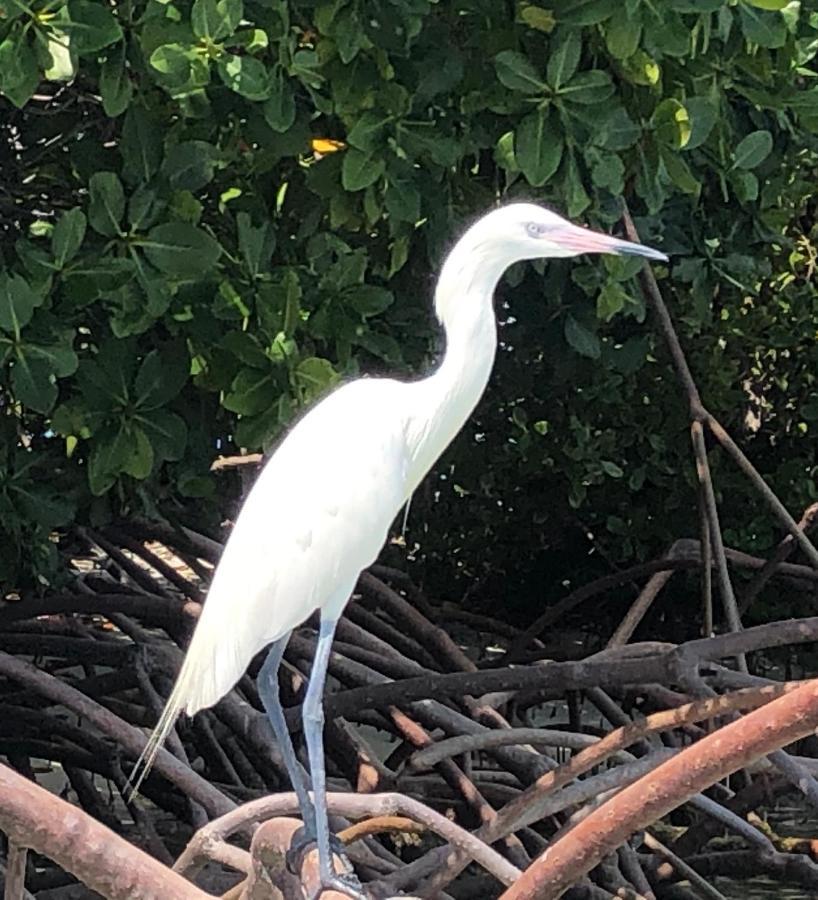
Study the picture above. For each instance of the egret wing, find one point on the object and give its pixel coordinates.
(318, 514)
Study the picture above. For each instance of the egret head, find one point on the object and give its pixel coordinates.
(508, 235)
(527, 231)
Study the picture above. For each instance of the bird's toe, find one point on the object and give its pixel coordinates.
(303, 841)
(345, 884)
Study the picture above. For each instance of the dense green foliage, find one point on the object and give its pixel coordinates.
(213, 210)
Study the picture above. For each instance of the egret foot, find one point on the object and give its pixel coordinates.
(303, 841)
(345, 884)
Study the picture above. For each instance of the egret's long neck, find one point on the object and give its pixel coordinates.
(444, 400)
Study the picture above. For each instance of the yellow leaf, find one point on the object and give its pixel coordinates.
(326, 145)
(538, 18)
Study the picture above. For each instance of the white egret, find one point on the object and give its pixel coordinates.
(321, 509)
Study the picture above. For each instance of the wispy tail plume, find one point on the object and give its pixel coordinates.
(176, 703)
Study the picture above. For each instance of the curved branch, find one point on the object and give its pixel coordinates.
(607, 669)
(129, 738)
(352, 806)
(444, 864)
(502, 737)
(32, 817)
(695, 768)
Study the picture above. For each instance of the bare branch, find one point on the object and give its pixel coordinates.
(34, 818)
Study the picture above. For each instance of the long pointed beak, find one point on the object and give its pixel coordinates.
(581, 240)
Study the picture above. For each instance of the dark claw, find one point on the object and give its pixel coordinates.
(303, 841)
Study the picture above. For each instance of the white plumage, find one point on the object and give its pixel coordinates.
(321, 509)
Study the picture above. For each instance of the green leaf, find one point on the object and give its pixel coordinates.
(703, 114)
(161, 377)
(189, 165)
(251, 40)
(617, 131)
(181, 250)
(679, 173)
(584, 12)
(33, 384)
(252, 391)
(143, 207)
(576, 197)
(753, 150)
(641, 69)
(348, 33)
(622, 35)
(246, 348)
(369, 300)
(384, 346)
(517, 73)
(93, 26)
(593, 86)
(611, 468)
(215, 19)
(17, 303)
(246, 75)
(141, 145)
(419, 142)
(167, 433)
(368, 130)
(564, 57)
(631, 356)
(107, 203)
(115, 86)
(359, 169)
(769, 4)
(767, 29)
(314, 375)
(745, 184)
(610, 301)
(179, 68)
(582, 339)
(67, 236)
(608, 171)
(402, 197)
(538, 146)
(649, 184)
(256, 432)
(256, 244)
(279, 303)
(139, 460)
(110, 452)
(60, 358)
(279, 110)
(41, 506)
(19, 73)
(671, 122)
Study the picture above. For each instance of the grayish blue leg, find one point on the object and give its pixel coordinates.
(314, 734)
(268, 691)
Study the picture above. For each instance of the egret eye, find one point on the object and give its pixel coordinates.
(536, 229)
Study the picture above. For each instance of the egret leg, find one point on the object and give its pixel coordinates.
(268, 691)
(314, 735)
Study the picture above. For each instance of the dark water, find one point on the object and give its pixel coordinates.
(788, 821)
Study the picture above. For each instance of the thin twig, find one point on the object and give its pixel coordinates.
(15, 871)
(702, 887)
